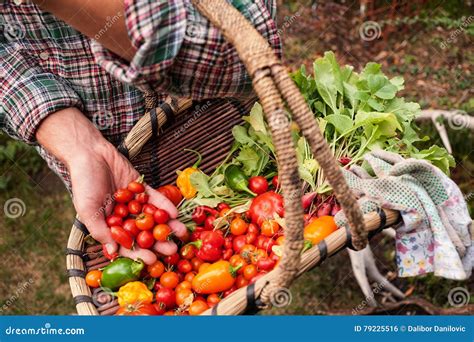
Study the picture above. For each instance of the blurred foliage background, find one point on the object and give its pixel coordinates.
(427, 42)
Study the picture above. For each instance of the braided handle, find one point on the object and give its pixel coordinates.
(271, 83)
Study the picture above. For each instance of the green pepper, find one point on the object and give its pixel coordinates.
(236, 179)
(120, 272)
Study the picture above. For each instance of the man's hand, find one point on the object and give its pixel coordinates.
(97, 170)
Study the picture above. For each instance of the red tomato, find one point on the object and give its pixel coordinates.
(258, 184)
(213, 299)
(145, 239)
(275, 182)
(196, 263)
(113, 220)
(130, 226)
(187, 252)
(166, 297)
(121, 236)
(145, 221)
(265, 206)
(136, 187)
(189, 276)
(253, 228)
(161, 216)
(228, 241)
(121, 210)
(214, 238)
(240, 281)
(237, 261)
(222, 205)
(134, 207)
(209, 222)
(238, 243)
(142, 197)
(227, 254)
(250, 238)
(123, 196)
(172, 193)
(149, 208)
(184, 266)
(172, 259)
(137, 309)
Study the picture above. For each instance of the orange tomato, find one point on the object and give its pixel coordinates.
(236, 260)
(319, 229)
(250, 271)
(213, 299)
(161, 232)
(238, 226)
(280, 241)
(223, 212)
(184, 285)
(189, 276)
(169, 279)
(198, 307)
(257, 255)
(183, 296)
(247, 251)
(240, 281)
(93, 278)
(156, 269)
(269, 228)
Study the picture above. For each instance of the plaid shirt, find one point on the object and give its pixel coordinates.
(47, 66)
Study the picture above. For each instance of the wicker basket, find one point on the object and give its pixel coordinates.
(157, 151)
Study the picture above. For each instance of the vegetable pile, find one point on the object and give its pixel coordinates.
(235, 216)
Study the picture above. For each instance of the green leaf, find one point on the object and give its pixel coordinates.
(255, 119)
(341, 123)
(240, 135)
(387, 92)
(373, 103)
(201, 182)
(398, 82)
(249, 159)
(326, 83)
(371, 69)
(210, 202)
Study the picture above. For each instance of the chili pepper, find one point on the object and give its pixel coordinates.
(134, 292)
(218, 277)
(120, 272)
(236, 179)
(184, 178)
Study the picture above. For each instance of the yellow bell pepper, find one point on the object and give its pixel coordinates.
(184, 179)
(134, 292)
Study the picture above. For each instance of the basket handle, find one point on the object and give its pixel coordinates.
(151, 123)
(271, 82)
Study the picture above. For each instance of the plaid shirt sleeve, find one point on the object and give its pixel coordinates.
(29, 95)
(181, 52)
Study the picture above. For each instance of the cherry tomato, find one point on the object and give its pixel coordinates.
(258, 184)
(247, 251)
(184, 285)
(275, 182)
(269, 227)
(145, 221)
(161, 232)
(238, 243)
(209, 222)
(136, 187)
(198, 307)
(123, 196)
(251, 238)
(184, 295)
(142, 197)
(257, 255)
(184, 266)
(93, 278)
(121, 210)
(238, 226)
(169, 279)
(166, 297)
(223, 212)
(189, 276)
(237, 261)
(227, 254)
(188, 252)
(172, 259)
(149, 209)
(121, 236)
(114, 220)
(145, 239)
(249, 272)
(134, 207)
(196, 263)
(253, 229)
(266, 264)
(228, 241)
(214, 238)
(213, 299)
(131, 228)
(222, 205)
(156, 270)
(280, 240)
(161, 216)
(240, 281)
(172, 193)
(137, 309)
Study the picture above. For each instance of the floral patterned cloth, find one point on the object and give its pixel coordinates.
(435, 236)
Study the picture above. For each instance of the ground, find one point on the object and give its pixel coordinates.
(431, 46)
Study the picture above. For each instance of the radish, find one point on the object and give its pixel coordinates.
(324, 209)
(308, 199)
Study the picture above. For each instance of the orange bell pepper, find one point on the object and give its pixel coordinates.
(217, 277)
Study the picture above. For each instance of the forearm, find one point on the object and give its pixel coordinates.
(102, 20)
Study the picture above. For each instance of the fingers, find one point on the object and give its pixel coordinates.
(146, 255)
(159, 200)
(101, 232)
(166, 247)
(178, 228)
